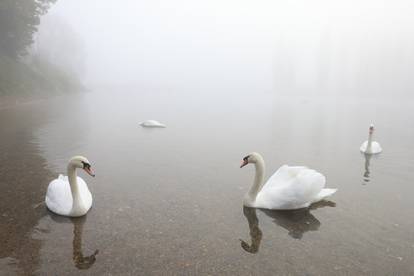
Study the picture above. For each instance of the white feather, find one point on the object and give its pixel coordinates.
(292, 188)
(59, 197)
(375, 147)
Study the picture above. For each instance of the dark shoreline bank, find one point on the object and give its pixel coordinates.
(23, 180)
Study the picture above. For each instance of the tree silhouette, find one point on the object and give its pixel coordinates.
(19, 20)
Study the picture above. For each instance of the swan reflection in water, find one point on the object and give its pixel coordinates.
(80, 261)
(297, 222)
(367, 163)
(255, 232)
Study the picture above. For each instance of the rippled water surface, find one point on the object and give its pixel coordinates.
(169, 201)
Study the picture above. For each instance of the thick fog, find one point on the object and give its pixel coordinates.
(320, 47)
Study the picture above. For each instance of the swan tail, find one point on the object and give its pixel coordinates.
(324, 193)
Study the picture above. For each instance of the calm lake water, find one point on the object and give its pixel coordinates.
(169, 201)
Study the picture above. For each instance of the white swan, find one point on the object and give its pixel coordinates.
(151, 123)
(369, 146)
(69, 195)
(288, 188)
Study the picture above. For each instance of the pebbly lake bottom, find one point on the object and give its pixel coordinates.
(169, 201)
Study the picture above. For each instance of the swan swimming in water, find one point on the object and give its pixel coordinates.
(369, 146)
(287, 189)
(151, 123)
(69, 195)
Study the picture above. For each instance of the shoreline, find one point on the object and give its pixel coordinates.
(14, 101)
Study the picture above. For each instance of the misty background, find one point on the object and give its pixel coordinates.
(310, 48)
(298, 81)
(322, 47)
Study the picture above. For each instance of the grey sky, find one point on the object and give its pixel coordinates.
(262, 45)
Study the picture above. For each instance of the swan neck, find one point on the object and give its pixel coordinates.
(258, 179)
(73, 181)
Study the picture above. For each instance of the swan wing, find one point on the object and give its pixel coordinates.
(283, 174)
(324, 193)
(363, 147)
(85, 194)
(59, 196)
(291, 188)
(375, 147)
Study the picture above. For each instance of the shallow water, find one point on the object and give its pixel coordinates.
(169, 201)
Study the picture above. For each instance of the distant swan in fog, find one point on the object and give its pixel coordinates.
(287, 189)
(369, 146)
(69, 195)
(151, 123)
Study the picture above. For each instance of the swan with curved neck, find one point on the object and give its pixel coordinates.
(69, 195)
(290, 187)
(258, 182)
(370, 146)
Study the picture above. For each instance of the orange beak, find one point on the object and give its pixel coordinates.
(89, 171)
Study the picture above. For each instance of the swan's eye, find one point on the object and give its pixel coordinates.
(86, 165)
(245, 158)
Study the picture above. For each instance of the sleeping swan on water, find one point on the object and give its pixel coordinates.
(151, 123)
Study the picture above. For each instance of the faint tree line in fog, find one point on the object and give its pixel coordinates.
(19, 20)
(32, 62)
